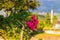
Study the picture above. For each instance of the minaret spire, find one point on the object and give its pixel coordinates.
(52, 13)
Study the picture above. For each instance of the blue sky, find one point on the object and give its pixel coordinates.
(47, 5)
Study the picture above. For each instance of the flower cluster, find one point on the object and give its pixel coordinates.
(32, 24)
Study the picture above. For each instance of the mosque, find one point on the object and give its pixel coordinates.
(57, 25)
(55, 29)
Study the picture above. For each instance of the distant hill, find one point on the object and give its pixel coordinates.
(42, 15)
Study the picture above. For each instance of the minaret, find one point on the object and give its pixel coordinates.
(52, 13)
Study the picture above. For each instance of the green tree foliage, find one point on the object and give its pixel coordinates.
(41, 23)
(47, 22)
(19, 4)
(54, 19)
(12, 25)
(47, 18)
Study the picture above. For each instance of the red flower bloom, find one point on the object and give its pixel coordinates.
(33, 17)
(32, 24)
(35, 21)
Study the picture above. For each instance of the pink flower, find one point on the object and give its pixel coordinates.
(32, 24)
(33, 17)
(35, 21)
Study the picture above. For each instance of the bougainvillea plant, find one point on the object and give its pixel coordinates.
(33, 23)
